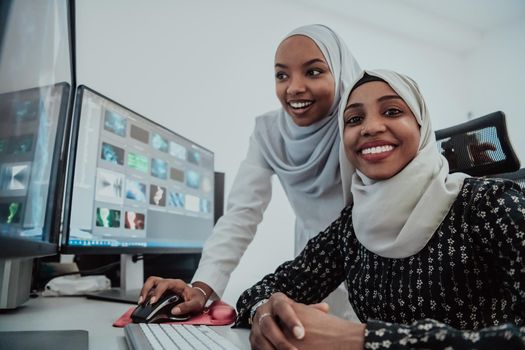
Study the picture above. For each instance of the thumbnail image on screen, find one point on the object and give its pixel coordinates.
(157, 195)
(193, 179)
(26, 109)
(194, 157)
(176, 199)
(178, 151)
(14, 177)
(135, 190)
(109, 186)
(10, 212)
(108, 217)
(112, 154)
(20, 144)
(177, 174)
(115, 123)
(139, 134)
(159, 143)
(138, 162)
(159, 168)
(134, 221)
(142, 183)
(205, 205)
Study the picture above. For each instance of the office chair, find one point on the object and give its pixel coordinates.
(479, 147)
(516, 176)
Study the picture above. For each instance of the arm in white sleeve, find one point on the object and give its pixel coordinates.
(248, 199)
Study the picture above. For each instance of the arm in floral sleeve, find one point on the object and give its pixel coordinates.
(431, 334)
(307, 279)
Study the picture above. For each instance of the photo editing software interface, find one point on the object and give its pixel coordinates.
(137, 184)
(28, 128)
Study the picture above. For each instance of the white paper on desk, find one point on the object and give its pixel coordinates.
(76, 285)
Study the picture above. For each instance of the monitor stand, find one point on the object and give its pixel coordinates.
(131, 281)
(15, 282)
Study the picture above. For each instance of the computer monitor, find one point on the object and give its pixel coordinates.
(31, 130)
(133, 187)
(36, 75)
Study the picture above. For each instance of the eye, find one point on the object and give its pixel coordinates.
(352, 120)
(393, 112)
(281, 76)
(314, 72)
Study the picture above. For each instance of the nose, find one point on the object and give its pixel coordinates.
(296, 86)
(372, 125)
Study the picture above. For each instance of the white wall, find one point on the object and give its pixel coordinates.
(205, 70)
(497, 80)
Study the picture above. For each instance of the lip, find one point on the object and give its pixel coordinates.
(299, 111)
(375, 157)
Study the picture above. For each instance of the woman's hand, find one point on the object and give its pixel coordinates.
(276, 322)
(324, 331)
(282, 323)
(194, 298)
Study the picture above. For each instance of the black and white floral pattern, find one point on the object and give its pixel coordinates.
(464, 289)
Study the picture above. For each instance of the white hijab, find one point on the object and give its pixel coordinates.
(395, 218)
(307, 158)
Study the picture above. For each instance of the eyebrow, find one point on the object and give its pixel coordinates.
(381, 99)
(389, 97)
(307, 63)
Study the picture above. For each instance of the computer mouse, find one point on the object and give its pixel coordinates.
(159, 311)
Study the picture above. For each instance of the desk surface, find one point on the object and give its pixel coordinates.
(95, 316)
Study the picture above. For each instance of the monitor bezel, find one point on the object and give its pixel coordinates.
(69, 249)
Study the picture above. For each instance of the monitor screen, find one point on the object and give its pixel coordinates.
(35, 80)
(135, 186)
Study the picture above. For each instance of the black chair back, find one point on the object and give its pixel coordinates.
(516, 176)
(479, 147)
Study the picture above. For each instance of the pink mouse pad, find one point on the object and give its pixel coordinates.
(217, 314)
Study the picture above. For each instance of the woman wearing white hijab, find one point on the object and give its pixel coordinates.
(432, 260)
(300, 144)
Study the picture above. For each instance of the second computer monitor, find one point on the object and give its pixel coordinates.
(135, 186)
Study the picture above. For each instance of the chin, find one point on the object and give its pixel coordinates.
(379, 175)
(301, 121)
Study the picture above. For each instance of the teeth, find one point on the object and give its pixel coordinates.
(378, 149)
(300, 104)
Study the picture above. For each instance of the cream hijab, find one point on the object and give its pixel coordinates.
(307, 158)
(395, 218)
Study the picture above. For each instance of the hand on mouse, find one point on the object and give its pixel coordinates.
(195, 298)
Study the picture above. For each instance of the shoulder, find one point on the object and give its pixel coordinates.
(267, 128)
(491, 201)
(344, 221)
(267, 119)
(482, 189)
(347, 211)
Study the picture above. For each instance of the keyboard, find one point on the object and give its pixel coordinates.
(144, 336)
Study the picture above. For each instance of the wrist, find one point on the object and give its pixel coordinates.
(253, 309)
(203, 289)
(354, 335)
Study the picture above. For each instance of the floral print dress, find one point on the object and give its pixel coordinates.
(464, 290)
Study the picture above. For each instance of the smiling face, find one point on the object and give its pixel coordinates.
(303, 81)
(381, 135)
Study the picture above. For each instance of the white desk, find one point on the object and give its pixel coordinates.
(95, 316)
